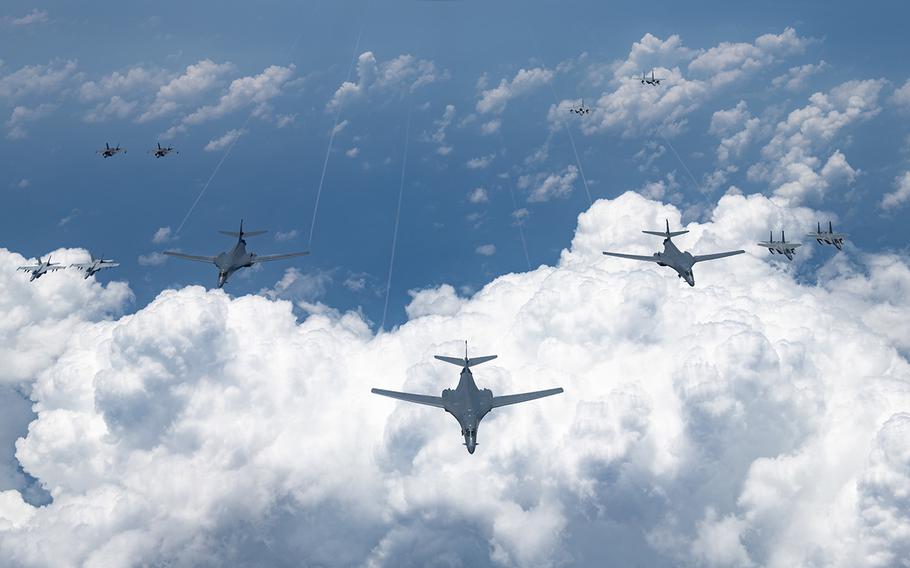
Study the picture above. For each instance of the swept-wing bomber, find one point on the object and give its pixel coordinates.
(467, 403)
(233, 260)
(681, 262)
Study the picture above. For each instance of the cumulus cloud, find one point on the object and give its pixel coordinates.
(481, 162)
(547, 186)
(197, 79)
(443, 148)
(22, 115)
(901, 96)
(691, 78)
(35, 79)
(352, 152)
(162, 235)
(700, 426)
(34, 17)
(790, 161)
(222, 142)
(495, 100)
(478, 195)
(795, 78)
(152, 259)
(901, 194)
(402, 74)
(285, 236)
(737, 129)
(120, 84)
(486, 250)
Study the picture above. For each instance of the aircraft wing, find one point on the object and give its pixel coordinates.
(715, 256)
(278, 256)
(632, 256)
(108, 265)
(418, 398)
(55, 267)
(29, 268)
(190, 256)
(524, 397)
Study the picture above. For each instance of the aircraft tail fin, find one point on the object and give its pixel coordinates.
(467, 361)
(241, 233)
(666, 234)
(830, 227)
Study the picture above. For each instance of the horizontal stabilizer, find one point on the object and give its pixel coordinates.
(666, 234)
(243, 234)
(524, 397)
(466, 362)
(406, 396)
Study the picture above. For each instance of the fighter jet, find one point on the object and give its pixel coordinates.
(161, 152)
(581, 109)
(95, 265)
(645, 80)
(237, 258)
(467, 403)
(679, 261)
(829, 237)
(40, 269)
(109, 151)
(781, 246)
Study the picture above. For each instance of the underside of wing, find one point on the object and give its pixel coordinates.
(197, 258)
(55, 267)
(406, 396)
(524, 397)
(28, 268)
(715, 256)
(632, 256)
(278, 256)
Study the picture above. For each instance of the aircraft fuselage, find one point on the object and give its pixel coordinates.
(231, 261)
(468, 404)
(681, 262)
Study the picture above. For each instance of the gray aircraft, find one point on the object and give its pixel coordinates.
(236, 258)
(679, 261)
(40, 269)
(829, 237)
(94, 266)
(781, 246)
(581, 109)
(162, 151)
(645, 80)
(109, 151)
(467, 403)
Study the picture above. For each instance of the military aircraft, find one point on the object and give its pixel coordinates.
(829, 237)
(581, 109)
(94, 265)
(467, 403)
(40, 269)
(781, 246)
(645, 80)
(162, 151)
(230, 261)
(109, 151)
(679, 261)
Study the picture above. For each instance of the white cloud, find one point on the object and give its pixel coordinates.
(478, 195)
(795, 78)
(481, 162)
(490, 127)
(340, 126)
(353, 152)
(285, 236)
(737, 129)
(901, 194)
(402, 74)
(162, 235)
(152, 259)
(901, 96)
(222, 142)
(439, 136)
(23, 115)
(24, 183)
(544, 187)
(196, 80)
(636, 109)
(37, 79)
(135, 79)
(790, 161)
(296, 285)
(205, 429)
(34, 17)
(116, 108)
(495, 100)
(486, 250)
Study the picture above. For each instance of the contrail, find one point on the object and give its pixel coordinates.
(404, 163)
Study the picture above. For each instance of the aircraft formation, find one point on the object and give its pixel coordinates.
(467, 403)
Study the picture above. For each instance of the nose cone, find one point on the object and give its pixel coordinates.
(690, 279)
(470, 441)
(222, 278)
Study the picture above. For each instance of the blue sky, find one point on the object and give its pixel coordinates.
(272, 175)
(706, 426)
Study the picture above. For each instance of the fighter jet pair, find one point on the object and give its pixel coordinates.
(110, 151)
(88, 268)
(652, 80)
(467, 403)
(788, 249)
